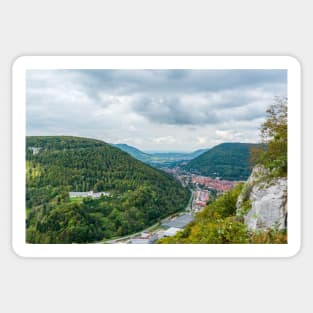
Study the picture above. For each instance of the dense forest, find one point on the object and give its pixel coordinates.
(230, 161)
(139, 195)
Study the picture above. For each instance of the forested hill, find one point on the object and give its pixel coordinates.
(134, 152)
(139, 194)
(229, 161)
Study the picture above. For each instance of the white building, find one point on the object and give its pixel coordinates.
(35, 150)
(85, 194)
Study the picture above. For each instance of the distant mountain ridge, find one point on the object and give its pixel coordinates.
(198, 152)
(179, 155)
(154, 158)
(134, 152)
(230, 161)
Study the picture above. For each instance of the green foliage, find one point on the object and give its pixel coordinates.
(274, 133)
(245, 207)
(271, 236)
(140, 194)
(223, 206)
(65, 224)
(216, 224)
(245, 197)
(228, 160)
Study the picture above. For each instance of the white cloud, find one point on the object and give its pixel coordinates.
(164, 140)
(202, 140)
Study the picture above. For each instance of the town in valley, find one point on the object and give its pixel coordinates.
(203, 190)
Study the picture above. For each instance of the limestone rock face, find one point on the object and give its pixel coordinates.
(263, 201)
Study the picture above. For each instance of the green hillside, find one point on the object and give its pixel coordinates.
(159, 159)
(230, 161)
(134, 152)
(139, 194)
(197, 153)
(218, 223)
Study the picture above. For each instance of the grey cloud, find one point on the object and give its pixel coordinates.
(171, 110)
(184, 104)
(173, 81)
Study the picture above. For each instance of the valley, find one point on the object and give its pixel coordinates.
(203, 191)
(198, 171)
(85, 190)
(161, 159)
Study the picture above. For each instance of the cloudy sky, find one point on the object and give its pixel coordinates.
(153, 110)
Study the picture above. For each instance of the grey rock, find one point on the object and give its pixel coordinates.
(268, 199)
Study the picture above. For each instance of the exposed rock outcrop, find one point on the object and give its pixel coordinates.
(263, 201)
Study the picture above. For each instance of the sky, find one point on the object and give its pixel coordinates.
(153, 110)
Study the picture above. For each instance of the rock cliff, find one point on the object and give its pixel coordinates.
(263, 201)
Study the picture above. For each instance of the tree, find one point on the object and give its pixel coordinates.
(274, 135)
